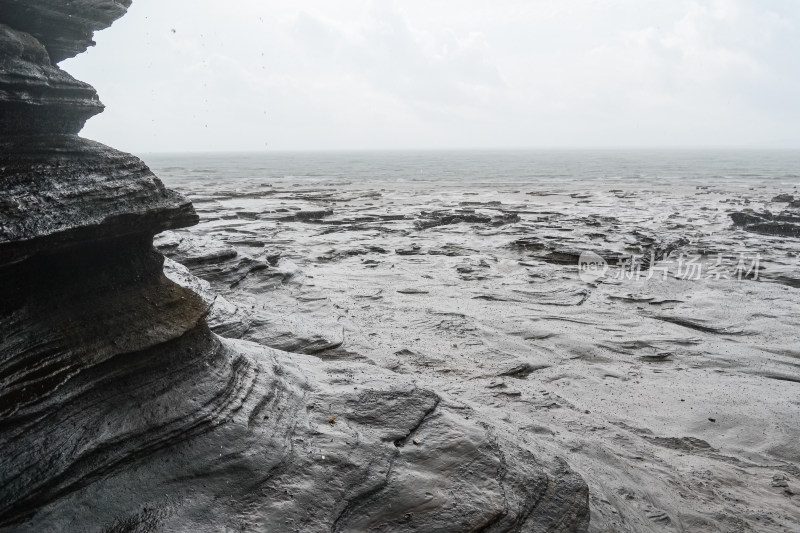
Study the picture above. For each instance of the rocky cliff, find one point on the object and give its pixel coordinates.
(121, 411)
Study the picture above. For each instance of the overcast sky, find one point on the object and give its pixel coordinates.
(198, 75)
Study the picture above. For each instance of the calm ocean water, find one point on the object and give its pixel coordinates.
(730, 166)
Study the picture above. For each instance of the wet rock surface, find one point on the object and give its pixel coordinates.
(669, 387)
(784, 224)
(39, 97)
(122, 411)
(64, 28)
(463, 216)
(61, 190)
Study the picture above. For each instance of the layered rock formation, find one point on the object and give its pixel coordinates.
(121, 411)
(64, 28)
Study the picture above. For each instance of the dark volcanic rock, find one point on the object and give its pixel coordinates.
(783, 225)
(309, 216)
(62, 190)
(445, 218)
(784, 198)
(121, 411)
(743, 218)
(37, 97)
(65, 313)
(529, 243)
(782, 229)
(65, 28)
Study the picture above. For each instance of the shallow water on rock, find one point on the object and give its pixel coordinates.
(670, 383)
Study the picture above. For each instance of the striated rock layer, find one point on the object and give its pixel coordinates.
(63, 190)
(64, 28)
(37, 96)
(121, 411)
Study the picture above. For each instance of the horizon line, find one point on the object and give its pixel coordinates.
(509, 149)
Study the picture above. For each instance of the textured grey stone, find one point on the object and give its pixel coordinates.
(62, 190)
(121, 411)
(36, 97)
(64, 27)
(786, 224)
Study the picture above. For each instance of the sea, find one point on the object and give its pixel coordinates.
(504, 166)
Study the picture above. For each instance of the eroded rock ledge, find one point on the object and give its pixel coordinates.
(121, 411)
(65, 28)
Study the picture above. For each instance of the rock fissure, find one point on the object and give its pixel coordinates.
(399, 443)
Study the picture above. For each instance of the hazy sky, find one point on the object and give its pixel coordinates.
(196, 75)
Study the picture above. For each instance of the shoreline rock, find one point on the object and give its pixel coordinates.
(782, 225)
(120, 410)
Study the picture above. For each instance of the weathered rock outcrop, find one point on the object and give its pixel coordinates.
(61, 190)
(37, 96)
(782, 225)
(64, 28)
(120, 411)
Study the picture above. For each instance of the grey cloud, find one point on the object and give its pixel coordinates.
(356, 74)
